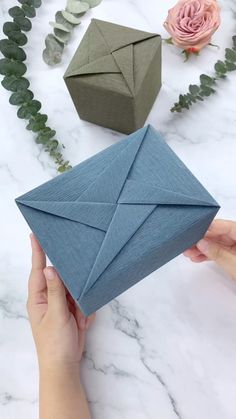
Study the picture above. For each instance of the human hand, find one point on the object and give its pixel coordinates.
(58, 326)
(219, 245)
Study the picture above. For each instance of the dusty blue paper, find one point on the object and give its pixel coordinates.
(118, 216)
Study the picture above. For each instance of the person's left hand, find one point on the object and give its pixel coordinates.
(58, 326)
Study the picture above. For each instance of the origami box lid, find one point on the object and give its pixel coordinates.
(108, 48)
(118, 216)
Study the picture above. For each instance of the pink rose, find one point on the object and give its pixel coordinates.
(191, 23)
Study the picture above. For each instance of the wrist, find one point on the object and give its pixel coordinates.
(59, 371)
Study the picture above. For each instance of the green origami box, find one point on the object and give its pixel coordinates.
(115, 75)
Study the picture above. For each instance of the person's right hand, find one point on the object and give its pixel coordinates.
(219, 245)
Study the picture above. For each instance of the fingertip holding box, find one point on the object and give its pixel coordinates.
(115, 75)
(118, 216)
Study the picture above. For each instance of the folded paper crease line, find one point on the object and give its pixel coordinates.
(94, 214)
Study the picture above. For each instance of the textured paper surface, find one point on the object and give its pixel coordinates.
(115, 75)
(113, 219)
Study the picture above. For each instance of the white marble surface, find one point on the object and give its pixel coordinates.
(165, 349)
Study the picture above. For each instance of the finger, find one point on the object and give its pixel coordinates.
(219, 254)
(195, 255)
(57, 301)
(223, 227)
(37, 282)
(38, 255)
(194, 251)
(199, 258)
(80, 318)
(81, 341)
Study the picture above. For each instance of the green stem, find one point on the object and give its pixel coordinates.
(207, 84)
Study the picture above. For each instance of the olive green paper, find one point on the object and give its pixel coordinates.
(115, 75)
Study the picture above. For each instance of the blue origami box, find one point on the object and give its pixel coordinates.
(118, 216)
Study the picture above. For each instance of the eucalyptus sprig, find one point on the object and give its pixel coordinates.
(208, 83)
(65, 22)
(13, 68)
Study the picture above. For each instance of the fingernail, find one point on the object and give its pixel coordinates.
(82, 323)
(49, 273)
(203, 245)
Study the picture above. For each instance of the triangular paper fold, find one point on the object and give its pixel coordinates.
(92, 47)
(106, 187)
(118, 36)
(104, 64)
(124, 58)
(143, 193)
(93, 214)
(131, 217)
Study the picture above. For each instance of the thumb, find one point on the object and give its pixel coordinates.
(56, 292)
(214, 251)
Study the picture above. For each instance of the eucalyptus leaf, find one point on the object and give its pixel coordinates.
(206, 80)
(220, 67)
(24, 23)
(207, 91)
(37, 122)
(189, 96)
(16, 11)
(10, 50)
(51, 57)
(34, 3)
(31, 108)
(230, 66)
(61, 20)
(18, 37)
(40, 117)
(70, 18)
(53, 144)
(194, 89)
(13, 83)
(37, 3)
(23, 96)
(230, 55)
(45, 135)
(59, 26)
(182, 100)
(52, 43)
(64, 167)
(234, 40)
(93, 3)
(9, 27)
(9, 67)
(53, 52)
(62, 36)
(199, 98)
(34, 126)
(74, 6)
(29, 10)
